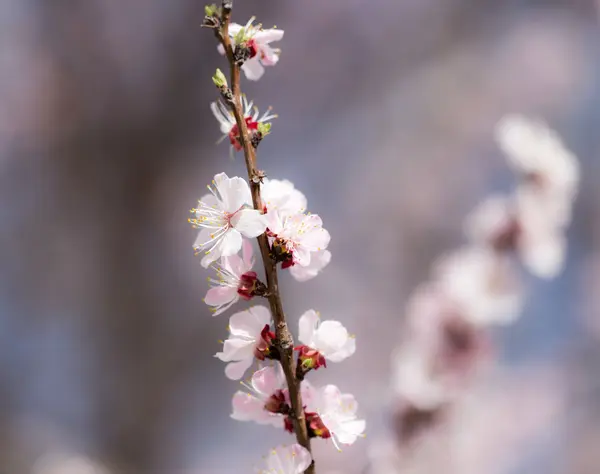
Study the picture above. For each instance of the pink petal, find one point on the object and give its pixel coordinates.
(236, 370)
(220, 295)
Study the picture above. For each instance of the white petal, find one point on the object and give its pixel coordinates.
(246, 407)
(269, 56)
(350, 430)
(234, 264)
(225, 124)
(210, 257)
(307, 325)
(210, 200)
(234, 192)
(285, 460)
(236, 370)
(220, 295)
(267, 36)
(544, 256)
(302, 256)
(236, 349)
(330, 337)
(344, 352)
(316, 238)
(249, 323)
(253, 69)
(282, 196)
(318, 261)
(202, 238)
(267, 380)
(250, 222)
(231, 243)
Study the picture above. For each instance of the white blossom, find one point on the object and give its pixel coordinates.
(336, 416)
(285, 206)
(414, 380)
(258, 41)
(224, 216)
(493, 222)
(266, 385)
(483, 283)
(245, 340)
(298, 236)
(283, 197)
(538, 153)
(292, 459)
(524, 224)
(228, 124)
(542, 244)
(329, 338)
(318, 260)
(234, 280)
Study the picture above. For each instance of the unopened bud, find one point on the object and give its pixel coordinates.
(219, 79)
(211, 10)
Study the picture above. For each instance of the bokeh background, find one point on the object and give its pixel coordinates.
(387, 110)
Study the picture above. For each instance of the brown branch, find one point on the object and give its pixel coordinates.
(284, 337)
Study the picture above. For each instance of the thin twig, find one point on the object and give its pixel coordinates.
(284, 337)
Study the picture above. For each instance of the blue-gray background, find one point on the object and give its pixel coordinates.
(387, 110)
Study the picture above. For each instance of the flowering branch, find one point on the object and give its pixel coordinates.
(274, 212)
(284, 338)
(477, 287)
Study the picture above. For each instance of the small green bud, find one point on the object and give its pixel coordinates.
(264, 128)
(219, 79)
(211, 10)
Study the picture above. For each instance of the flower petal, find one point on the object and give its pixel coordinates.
(307, 326)
(235, 349)
(267, 380)
(544, 256)
(249, 323)
(236, 370)
(268, 36)
(246, 407)
(331, 336)
(220, 295)
(350, 430)
(230, 244)
(343, 352)
(318, 261)
(250, 222)
(234, 192)
(253, 69)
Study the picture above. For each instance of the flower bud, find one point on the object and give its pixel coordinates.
(310, 358)
(265, 348)
(219, 79)
(211, 10)
(316, 427)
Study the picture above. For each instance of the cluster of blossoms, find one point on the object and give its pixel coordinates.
(225, 216)
(273, 211)
(478, 286)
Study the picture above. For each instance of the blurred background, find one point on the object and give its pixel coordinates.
(387, 110)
